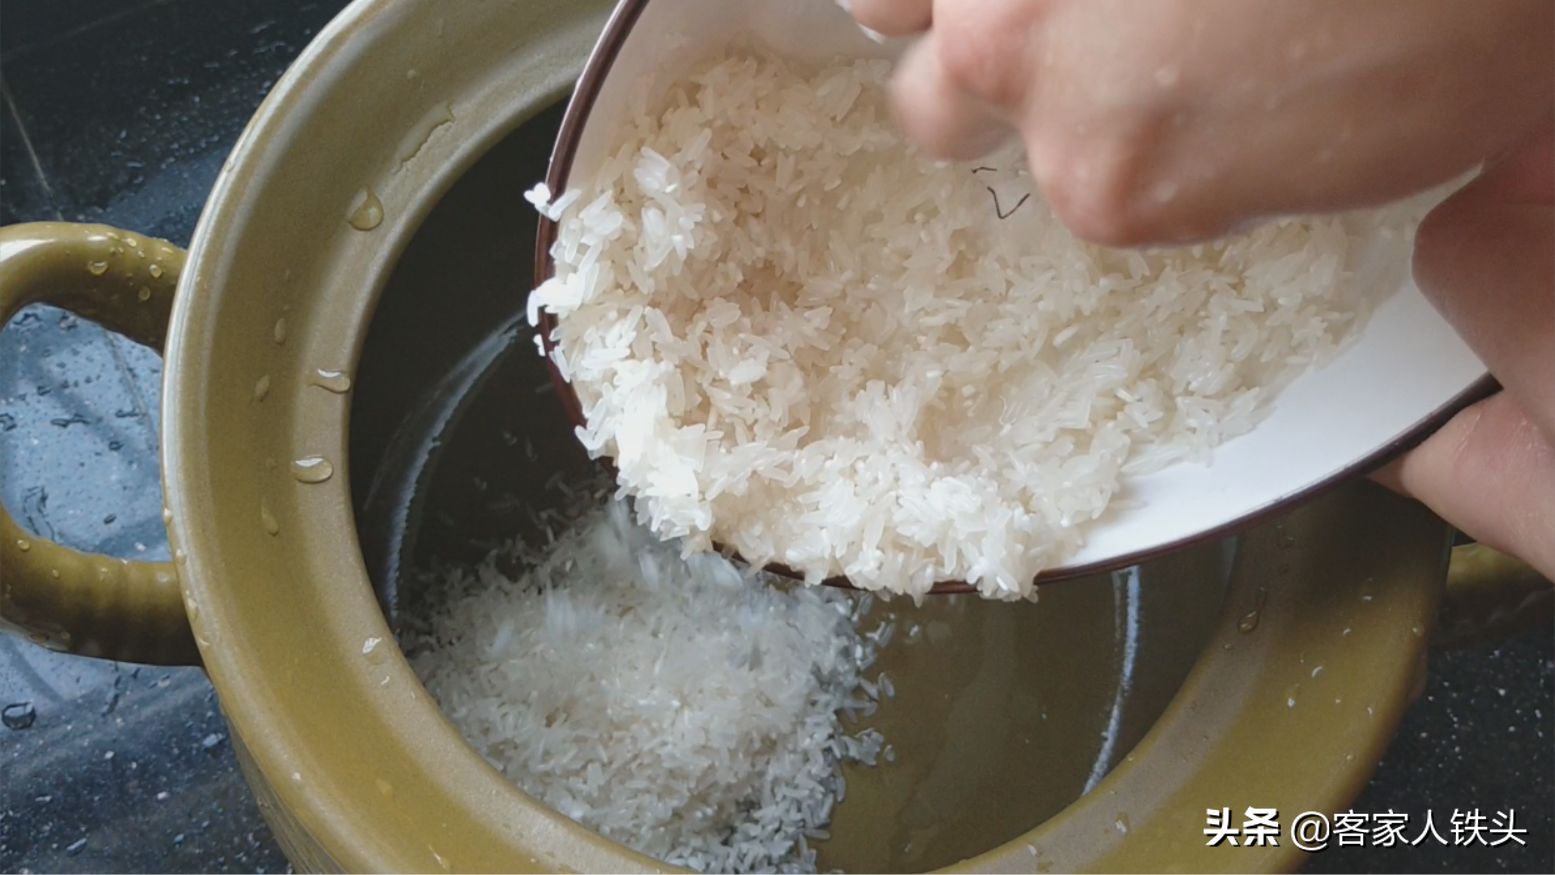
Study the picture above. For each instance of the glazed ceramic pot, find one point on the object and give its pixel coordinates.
(347, 373)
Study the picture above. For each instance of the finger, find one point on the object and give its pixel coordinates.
(1490, 472)
(947, 122)
(1485, 258)
(892, 17)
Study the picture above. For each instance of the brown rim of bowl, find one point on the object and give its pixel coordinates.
(603, 57)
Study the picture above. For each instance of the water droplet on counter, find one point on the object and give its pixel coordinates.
(331, 381)
(312, 469)
(155, 270)
(262, 387)
(1248, 623)
(144, 294)
(366, 211)
(267, 519)
(97, 268)
(19, 715)
(1122, 823)
(23, 544)
(280, 331)
(385, 788)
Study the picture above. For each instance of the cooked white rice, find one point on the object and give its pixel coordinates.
(673, 705)
(797, 336)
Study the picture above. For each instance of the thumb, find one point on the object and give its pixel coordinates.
(1486, 258)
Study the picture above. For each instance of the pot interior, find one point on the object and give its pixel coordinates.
(997, 725)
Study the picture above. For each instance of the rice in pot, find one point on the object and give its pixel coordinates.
(672, 704)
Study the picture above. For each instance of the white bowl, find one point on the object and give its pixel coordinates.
(1403, 377)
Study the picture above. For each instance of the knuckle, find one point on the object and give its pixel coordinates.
(1092, 196)
(983, 53)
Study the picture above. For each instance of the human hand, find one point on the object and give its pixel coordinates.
(1182, 119)
(1486, 258)
(1178, 119)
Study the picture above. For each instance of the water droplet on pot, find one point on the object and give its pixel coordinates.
(167, 515)
(312, 469)
(1122, 823)
(180, 556)
(262, 387)
(442, 862)
(191, 607)
(54, 573)
(280, 331)
(19, 715)
(385, 788)
(23, 544)
(97, 268)
(331, 381)
(144, 294)
(1317, 671)
(1290, 695)
(1248, 623)
(366, 211)
(267, 519)
(155, 270)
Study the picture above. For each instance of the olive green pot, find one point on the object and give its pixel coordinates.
(1276, 682)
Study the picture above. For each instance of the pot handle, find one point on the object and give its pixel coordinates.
(61, 598)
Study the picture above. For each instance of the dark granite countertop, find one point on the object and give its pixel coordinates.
(122, 112)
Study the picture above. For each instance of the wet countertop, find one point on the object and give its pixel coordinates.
(122, 112)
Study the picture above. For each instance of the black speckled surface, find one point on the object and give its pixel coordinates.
(122, 112)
